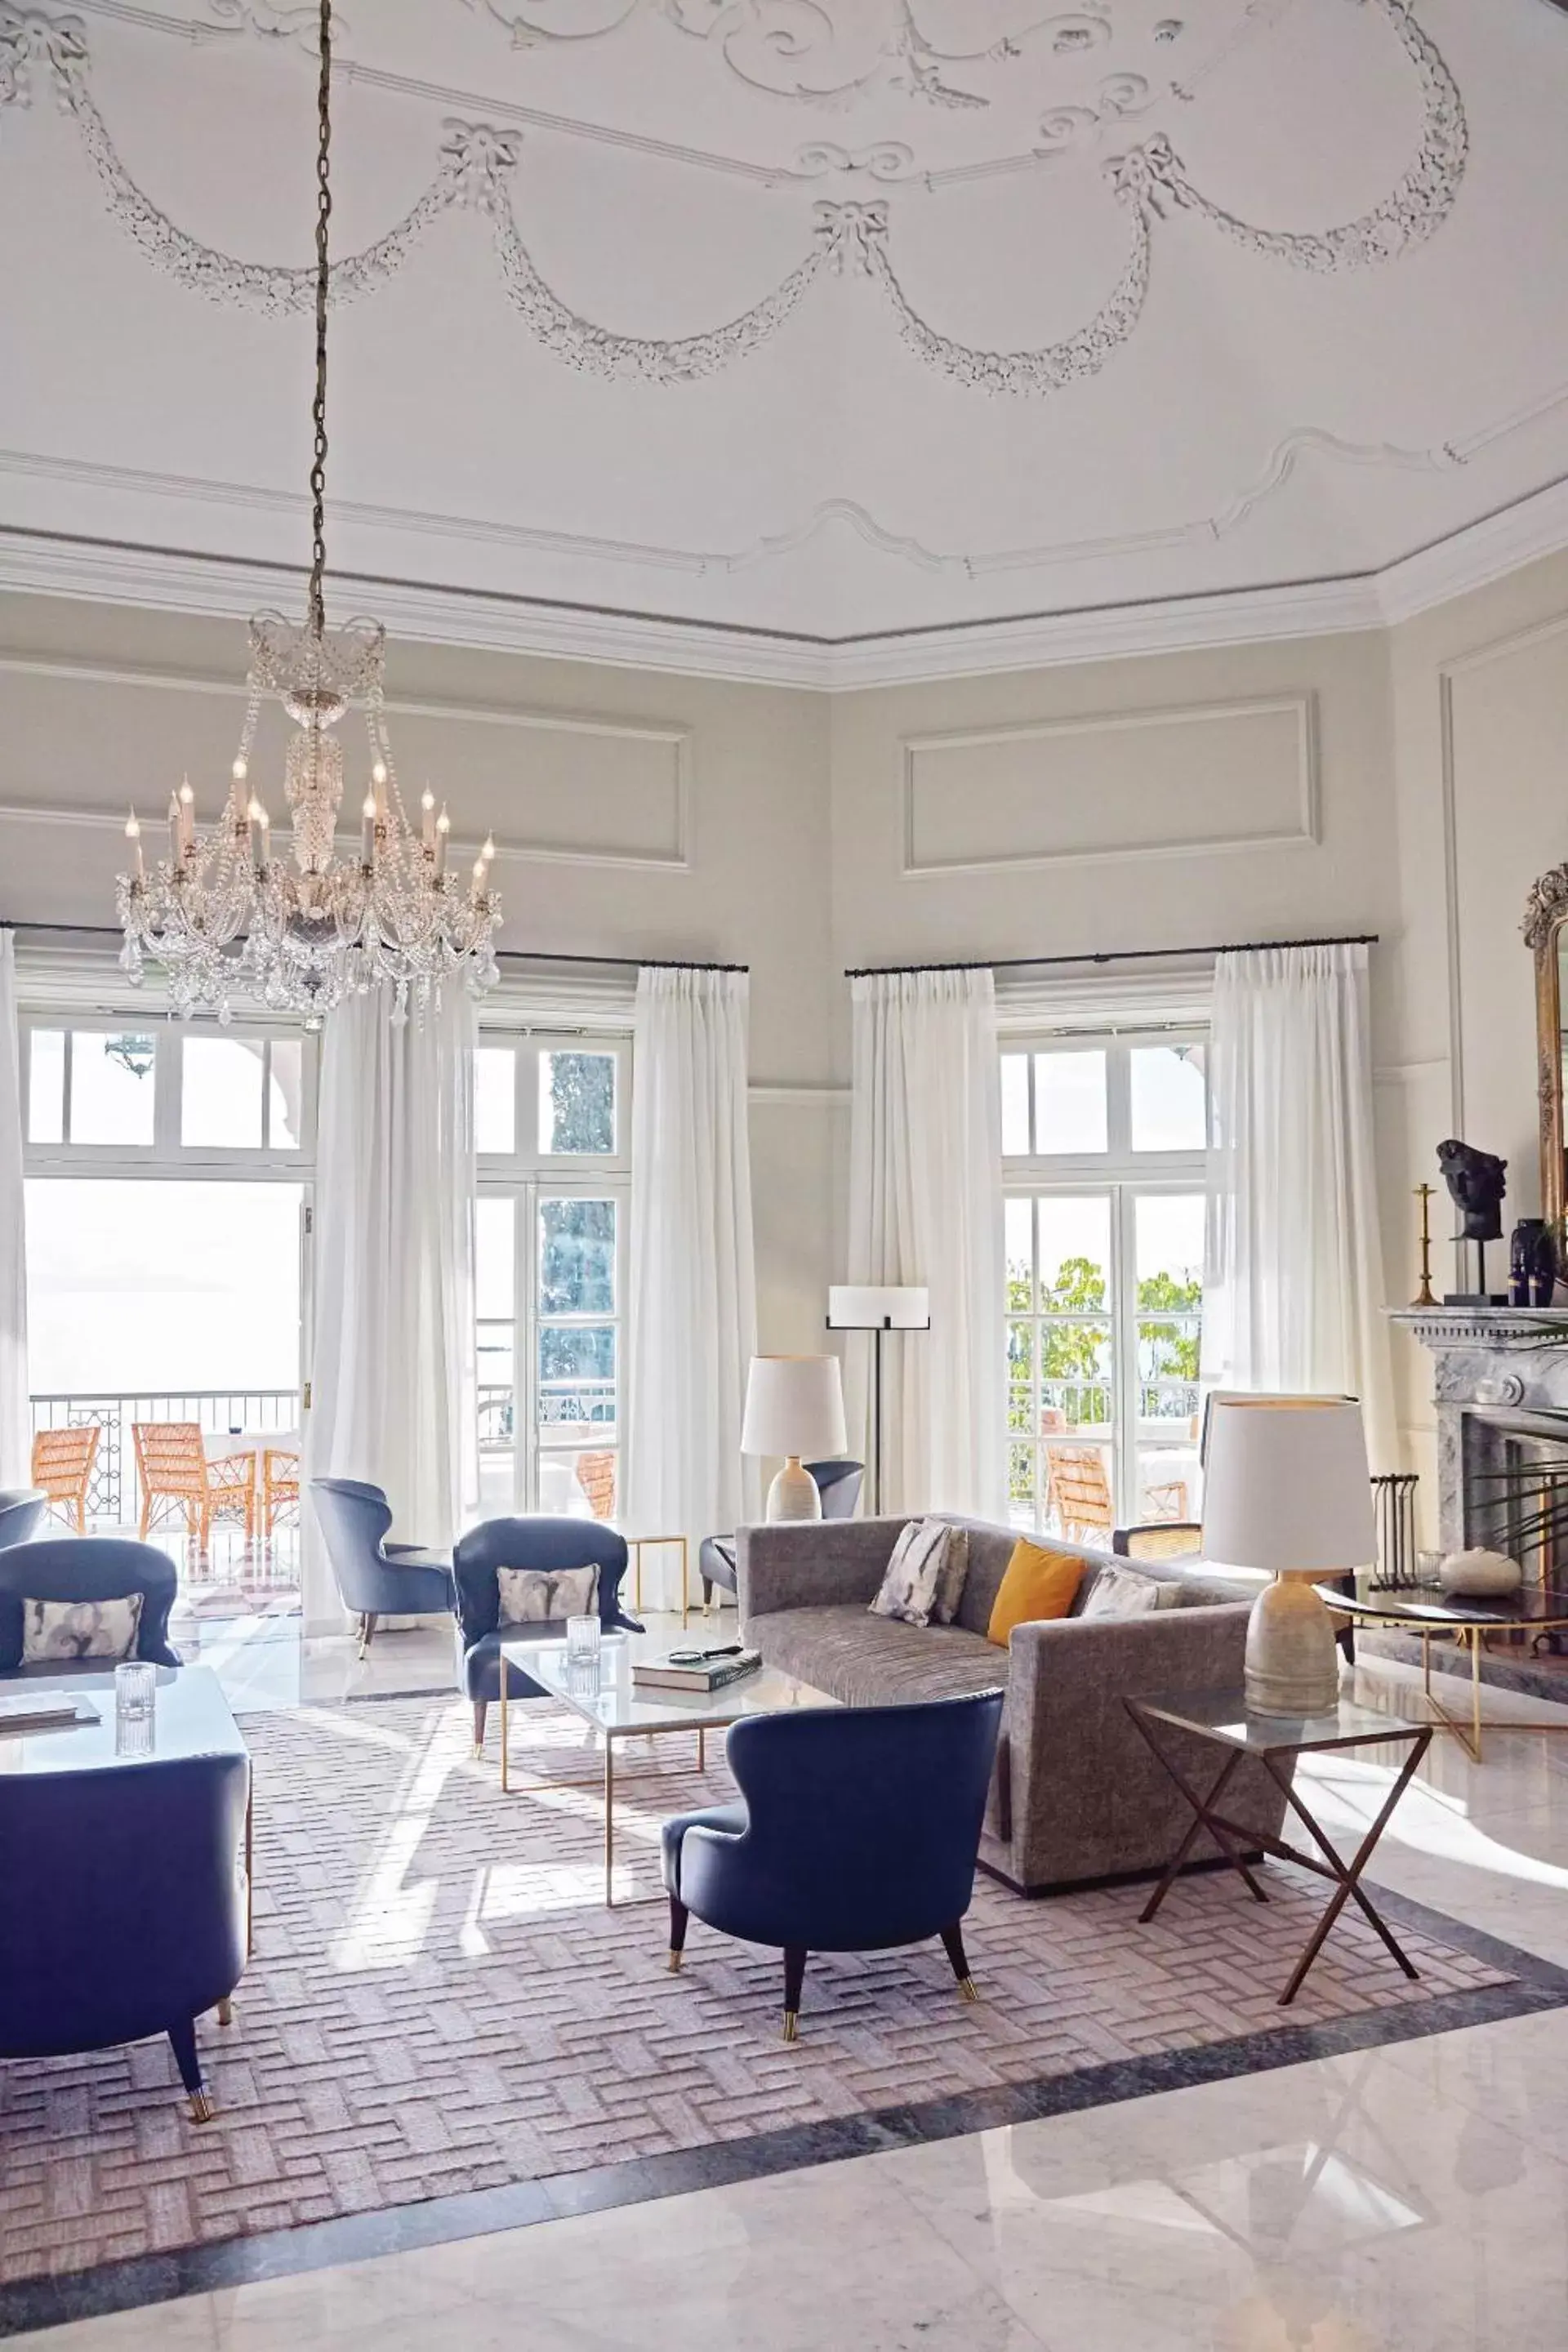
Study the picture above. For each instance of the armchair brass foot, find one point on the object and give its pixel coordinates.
(791, 2025)
(967, 1987)
(202, 2108)
(674, 1963)
(226, 2012)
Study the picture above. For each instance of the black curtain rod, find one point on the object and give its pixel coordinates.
(1106, 955)
(503, 955)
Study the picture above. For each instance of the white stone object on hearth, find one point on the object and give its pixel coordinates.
(1480, 1575)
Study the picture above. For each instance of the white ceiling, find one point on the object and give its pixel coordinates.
(1281, 413)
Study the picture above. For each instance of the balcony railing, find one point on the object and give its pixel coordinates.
(114, 1498)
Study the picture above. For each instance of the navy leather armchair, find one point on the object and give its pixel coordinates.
(858, 1831)
(377, 1579)
(21, 1509)
(837, 1483)
(85, 1567)
(540, 1542)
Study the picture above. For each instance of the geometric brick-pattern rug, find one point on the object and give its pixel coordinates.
(440, 2003)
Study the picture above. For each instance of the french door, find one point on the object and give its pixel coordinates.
(550, 1282)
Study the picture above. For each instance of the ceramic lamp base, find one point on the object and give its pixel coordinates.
(794, 1493)
(1292, 1659)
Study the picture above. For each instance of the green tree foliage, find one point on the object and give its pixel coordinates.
(582, 1102)
(1173, 1348)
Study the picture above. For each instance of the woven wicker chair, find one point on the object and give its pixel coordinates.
(176, 1475)
(280, 1485)
(63, 1463)
(1159, 1539)
(1079, 1491)
(597, 1477)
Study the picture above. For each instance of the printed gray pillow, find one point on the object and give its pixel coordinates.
(953, 1578)
(56, 1631)
(913, 1576)
(546, 1596)
(1122, 1592)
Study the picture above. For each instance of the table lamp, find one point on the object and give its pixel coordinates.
(1286, 1489)
(877, 1306)
(794, 1406)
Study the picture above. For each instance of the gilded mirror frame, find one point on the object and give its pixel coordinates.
(1546, 934)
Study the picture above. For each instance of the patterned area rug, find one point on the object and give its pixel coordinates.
(439, 2000)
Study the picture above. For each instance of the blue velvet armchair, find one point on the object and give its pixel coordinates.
(85, 1567)
(377, 1579)
(537, 1542)
(21, 1509)
(858, 1832)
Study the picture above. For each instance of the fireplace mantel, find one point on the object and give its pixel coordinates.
(1500, 1381)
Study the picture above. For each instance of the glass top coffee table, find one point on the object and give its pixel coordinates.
(609, 1702)
(1428, 1609)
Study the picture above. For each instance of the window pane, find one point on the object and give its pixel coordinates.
(1014, 1103)
(47, 1086)
(1018, 1240)
(1169, 1100)
(1021, 1486)
(495, 1282)
(576, 1376)
(1075, 1253)
(1074, 1377)
(220, 1093)
(1069, 1102)
(577, 1102)
(1170, 1248)
(495, 1098)
(1020, 1378)
(576, 1257)
(112, 1086)
(286, 1094)
(579, 1484)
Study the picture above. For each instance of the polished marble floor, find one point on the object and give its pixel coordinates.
(1409, 2198)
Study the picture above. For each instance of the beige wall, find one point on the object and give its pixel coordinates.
(1409, 783)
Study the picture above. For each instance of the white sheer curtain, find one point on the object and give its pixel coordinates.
(15, 1442)
(1293, 1292)
(692, 1322)
(392, 1369)
(925, 1206)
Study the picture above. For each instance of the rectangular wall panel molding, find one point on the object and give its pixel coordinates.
(1147, 783)
(560, 787)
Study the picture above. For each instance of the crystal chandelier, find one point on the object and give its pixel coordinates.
(220, 914)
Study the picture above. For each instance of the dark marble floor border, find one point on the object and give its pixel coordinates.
(1501, 1670)
(1536, 1985)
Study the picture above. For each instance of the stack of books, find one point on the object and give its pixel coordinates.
(695, 1670)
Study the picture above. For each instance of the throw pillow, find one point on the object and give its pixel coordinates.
(913, 1575)
(57, 1629)
(953, 1578)
(1122, 1592)
(546, 1596)
(1037, 1582)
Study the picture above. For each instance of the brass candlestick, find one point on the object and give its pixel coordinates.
(1425, 1297)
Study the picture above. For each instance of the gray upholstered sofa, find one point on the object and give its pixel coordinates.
(1077, 1795)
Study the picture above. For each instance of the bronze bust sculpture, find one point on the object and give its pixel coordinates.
(1477, 1181)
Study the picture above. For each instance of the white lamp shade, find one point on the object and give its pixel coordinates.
(1286, 1487)
(795, 1405)
(879, 1307)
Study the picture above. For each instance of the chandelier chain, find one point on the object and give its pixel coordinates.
(319, 403)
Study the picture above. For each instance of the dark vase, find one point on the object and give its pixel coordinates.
(1533, 1264)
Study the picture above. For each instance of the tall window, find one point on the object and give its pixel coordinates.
(551, 1117)
(1103, 1145)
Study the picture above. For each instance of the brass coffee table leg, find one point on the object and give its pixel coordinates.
(609, 1821)
(504, 1784)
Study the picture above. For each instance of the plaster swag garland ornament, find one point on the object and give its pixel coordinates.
(478, 162)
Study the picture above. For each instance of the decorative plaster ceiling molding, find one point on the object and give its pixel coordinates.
(478, 162)
(101, 570)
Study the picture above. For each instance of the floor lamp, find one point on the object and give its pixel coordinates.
(878, 1308)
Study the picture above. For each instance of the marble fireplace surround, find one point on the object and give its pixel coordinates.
(1501, 1387)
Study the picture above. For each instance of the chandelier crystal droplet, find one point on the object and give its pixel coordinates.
(221, 915)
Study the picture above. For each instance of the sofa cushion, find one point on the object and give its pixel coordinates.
(866, 1661)
(1123, 1593)
(909, 1589)
(1040, 1582)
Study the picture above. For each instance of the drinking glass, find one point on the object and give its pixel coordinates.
(135, 1690)
(583, 1638)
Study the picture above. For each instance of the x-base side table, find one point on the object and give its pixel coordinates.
(1220, 1719)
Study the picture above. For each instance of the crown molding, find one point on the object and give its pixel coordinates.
(173, 580)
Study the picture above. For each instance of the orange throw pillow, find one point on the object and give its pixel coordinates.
(1037, 1582)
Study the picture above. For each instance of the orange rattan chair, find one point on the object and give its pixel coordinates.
(280, 1485)
(175, 1474)
(1079, 1491)
(597, 1477)
(62, 1465)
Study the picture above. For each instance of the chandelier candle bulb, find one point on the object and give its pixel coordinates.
(428, 806)
(443, 827)
(134, 836)
(367, 838)
(188, 815)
